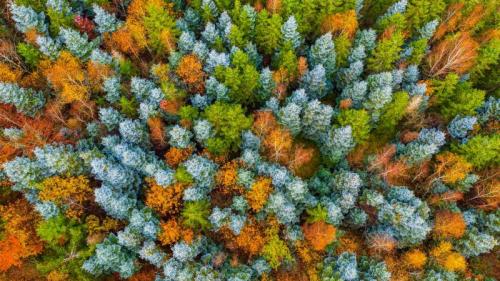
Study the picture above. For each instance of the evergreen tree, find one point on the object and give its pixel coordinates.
(358, 120)
(481, 151)
(268, 32)
(105, 21)
(26, 18)
(323, 52)
(26, 101)
(228, 121)
(241, 78)
(290, 34)
(315, 82)
(316, 119)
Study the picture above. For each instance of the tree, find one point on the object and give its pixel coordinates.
(358, 120)
(455, 54)
(105, 21)
(415, 259)
(319, 234)
(156, 18)
(18, 239)
(72, 193)
(290, 34)
(386, 53)
(454, 98)
(258, 193)
(459, 127)
(27, 101)
(344, 23)
(323, 52)
(316, 119)
(451, 168)
(448, 224)
(179, 137)
(110, 257)
(77, 43)
(315, 82)
(420, 12)
(228, 121)
(391, 114)
(67, 250)
(26, 18)
(428, 143)
(267, 32)
(166, 200)
(275, 251)
(68, 78)
(408, 227)
(278, 145)
(190, 71)
(195, 214)
(241, 78)
(481, 151)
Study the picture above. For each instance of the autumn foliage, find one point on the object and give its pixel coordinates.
(319, 234)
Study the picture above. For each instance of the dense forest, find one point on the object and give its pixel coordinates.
(249, 140)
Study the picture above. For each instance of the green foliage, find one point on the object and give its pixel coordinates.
(195, 214)
(485, 71)
(342, 49)
(67, 249)
(359, 120)
(237, 37)
(37, 5)
(420, 12)
(391, 114)
(156, 20)
(287, 59)
(454, 97)
(31, 55)
(276, 252)
(181, 175)
(394, 23)
(228, 121)
(241, 78)
(386, 53)
(268, 32)
(188, 112)
(127, 68)
(418, 52)
(373, 9)
(243, 21)
(128, 106)
(316, 214)
(481, 151)
(59, 19)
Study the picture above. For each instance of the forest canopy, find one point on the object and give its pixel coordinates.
(249, 140)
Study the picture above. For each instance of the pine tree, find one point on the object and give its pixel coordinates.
(26, 18)
(480, 151)
(323, 52)
(386, 53)
(358, 120)
(268, 32)
(316, 119)
(290, 34)
(26, 101)
(228, 121)
(241, 78)
(315, 82)
(105, 21)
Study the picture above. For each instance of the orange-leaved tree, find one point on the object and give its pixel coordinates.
(319, 234)
(20, 240)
